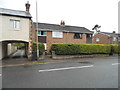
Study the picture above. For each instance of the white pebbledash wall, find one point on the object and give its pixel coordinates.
(8, 33)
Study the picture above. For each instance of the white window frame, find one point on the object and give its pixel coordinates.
(97, 39)
(57, 34)
(15, 24)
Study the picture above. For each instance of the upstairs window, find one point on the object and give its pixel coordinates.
(57, 34)
(15, 24)
(42, 33)
(89, 35)
(77, 35)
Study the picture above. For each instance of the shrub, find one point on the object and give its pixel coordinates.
(73, 49)
(94, 49)
(115, 49)
(41, 47)
(65, 49)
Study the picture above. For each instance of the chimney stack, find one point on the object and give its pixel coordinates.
(27, 5)
(62, 23)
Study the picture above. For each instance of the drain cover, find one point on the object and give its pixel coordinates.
(85, 62)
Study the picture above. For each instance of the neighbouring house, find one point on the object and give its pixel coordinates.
(53, 33)
(106, 38)
(15, 27)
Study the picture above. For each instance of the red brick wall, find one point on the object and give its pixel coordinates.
(67, 38)
(104, 39)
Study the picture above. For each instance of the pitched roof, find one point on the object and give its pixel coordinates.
(18, 13)
(66, 28)
(111, 34)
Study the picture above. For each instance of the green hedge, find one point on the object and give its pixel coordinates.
(115, 49)
(41, 47)
(94, 49)
(74, 49)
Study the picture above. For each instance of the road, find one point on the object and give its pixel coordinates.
(99, 72)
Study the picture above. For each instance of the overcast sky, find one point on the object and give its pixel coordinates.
(83, 13)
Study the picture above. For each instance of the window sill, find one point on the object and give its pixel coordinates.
(42, 35)
(77, 38)
(57, 38)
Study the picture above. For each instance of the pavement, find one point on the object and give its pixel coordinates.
(18, 59)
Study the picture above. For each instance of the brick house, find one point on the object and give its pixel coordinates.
(106, 38)
(52, 33)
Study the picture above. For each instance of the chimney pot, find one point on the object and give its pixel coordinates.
(114, 32)
(62, 23)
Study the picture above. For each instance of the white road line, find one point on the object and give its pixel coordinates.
(58, 69)
(0, 74)
(115, 63)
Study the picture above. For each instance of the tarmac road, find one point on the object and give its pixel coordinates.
(99, 72)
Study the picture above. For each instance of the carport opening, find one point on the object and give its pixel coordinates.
(15, 49)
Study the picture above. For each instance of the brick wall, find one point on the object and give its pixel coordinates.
(67, 38)
(104, 39)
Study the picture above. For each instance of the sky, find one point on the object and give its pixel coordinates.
(83, 13)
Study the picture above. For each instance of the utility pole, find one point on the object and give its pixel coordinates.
(37, 30)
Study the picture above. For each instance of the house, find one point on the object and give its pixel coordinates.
(53, 33)
(106, 38)
(15, 27)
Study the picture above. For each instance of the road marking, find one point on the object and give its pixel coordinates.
(58, 69)
(0, 74)
(115, 63)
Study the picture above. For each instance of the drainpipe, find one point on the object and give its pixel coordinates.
(67, 37)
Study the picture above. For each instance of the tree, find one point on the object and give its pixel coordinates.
(96, 27)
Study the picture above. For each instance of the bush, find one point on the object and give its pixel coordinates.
(19, 45)
(41, 47)
(115, 49)
(95, 49)
(65, 49)
(74, 49)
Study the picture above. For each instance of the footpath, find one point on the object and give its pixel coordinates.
(11, 62)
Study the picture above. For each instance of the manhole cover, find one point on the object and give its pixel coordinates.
(85, 62)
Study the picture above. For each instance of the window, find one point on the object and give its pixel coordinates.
(42, 33)
(57, 34)
(97, 39)
(77, 35)
(114, 38)
(89, 35)
(15, 24)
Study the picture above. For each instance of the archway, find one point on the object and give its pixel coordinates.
(14, 49)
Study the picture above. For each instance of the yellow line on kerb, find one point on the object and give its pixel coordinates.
(19, 64)
(27, 64)
(11, 65)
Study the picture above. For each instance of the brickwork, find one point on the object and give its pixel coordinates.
(104, 39)
(67, 38)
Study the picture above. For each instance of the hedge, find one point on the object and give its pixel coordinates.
(74, 49)
(41, 47)
(115, 49)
